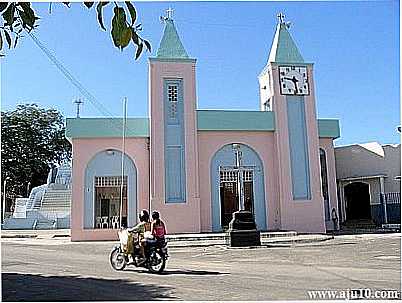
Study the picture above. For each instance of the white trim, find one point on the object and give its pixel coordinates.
(362, 178)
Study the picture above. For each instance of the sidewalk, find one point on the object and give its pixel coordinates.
(270, 239)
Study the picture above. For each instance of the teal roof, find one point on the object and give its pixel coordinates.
(171, 46)
(235, 120)
(207, 120)
(106, 127)
(284, 49)
(328, 128)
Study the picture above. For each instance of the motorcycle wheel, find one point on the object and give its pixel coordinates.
(157, 262)
(117, 259)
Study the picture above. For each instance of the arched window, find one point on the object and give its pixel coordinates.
(324, 182)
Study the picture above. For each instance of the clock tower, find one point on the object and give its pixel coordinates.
(287, 89)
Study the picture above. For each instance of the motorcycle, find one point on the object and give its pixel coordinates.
(155, 253)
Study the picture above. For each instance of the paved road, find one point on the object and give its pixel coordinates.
(57, 270)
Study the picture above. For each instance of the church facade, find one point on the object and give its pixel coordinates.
(196, 167)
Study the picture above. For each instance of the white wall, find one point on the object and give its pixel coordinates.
(356, 160)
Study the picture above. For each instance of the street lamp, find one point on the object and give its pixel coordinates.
(4, 199)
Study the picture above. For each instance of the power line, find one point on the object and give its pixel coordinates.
(98, 105)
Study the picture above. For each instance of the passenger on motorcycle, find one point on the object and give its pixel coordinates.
(158, 228)
(141, 228)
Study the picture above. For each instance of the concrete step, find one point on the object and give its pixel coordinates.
(55, 200)
(265, 242)
(55, 204)
(18, 223)
(45, 224)
(358, 224)
(223, 236)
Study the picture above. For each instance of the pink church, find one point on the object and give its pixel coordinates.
(182, 161)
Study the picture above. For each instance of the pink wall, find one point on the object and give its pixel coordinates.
(300, 215)
(180, 217)
(83, 151)
(210, 142)
(327, 145)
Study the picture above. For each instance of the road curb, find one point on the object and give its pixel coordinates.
(18, 236)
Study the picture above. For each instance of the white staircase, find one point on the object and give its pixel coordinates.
(56, 208)
(56, 200)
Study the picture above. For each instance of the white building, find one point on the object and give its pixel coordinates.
(368, 177)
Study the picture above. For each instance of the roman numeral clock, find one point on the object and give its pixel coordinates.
(293, 80)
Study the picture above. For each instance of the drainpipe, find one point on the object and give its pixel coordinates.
(384, 200)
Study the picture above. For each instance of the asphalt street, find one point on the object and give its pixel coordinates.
(59, 270)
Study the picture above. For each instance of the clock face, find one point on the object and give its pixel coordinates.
(293, 80)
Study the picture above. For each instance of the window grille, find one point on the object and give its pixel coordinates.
(173, 99)
(110, 181)
(230, 175)
(248, 176)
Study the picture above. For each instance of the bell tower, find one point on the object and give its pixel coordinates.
(173, 132)
(287, 88)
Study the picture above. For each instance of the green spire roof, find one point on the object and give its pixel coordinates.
(284, 49)
(171, 46)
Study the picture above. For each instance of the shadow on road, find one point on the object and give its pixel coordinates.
(30, 287)
(182, 272)
(193, 272)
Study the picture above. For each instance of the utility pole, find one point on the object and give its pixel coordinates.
(122, 161)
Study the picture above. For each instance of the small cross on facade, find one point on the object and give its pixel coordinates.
(281, 18)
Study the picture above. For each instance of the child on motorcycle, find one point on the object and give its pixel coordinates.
(141, 228)
(158, 228)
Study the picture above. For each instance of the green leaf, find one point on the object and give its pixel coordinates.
(88, 4)
(134, 37)
(3, 6)
(139, 51)
(8, 14)
(148, 45)
(8, 38)
(99, 11)
(133, 13)
(27, 15)
(121, 33)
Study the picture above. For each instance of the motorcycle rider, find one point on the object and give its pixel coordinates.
(158, 228)
(143, 226)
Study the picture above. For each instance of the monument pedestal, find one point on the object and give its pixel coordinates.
(243, 230)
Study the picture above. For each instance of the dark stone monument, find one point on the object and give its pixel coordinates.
(243, 230)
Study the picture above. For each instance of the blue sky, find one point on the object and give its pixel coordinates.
(354, 47)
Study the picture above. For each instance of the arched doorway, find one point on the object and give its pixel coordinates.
(102, 198)
(357, 196)
(224, 192)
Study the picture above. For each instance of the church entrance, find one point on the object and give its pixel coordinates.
(229, 193)
(357, 196)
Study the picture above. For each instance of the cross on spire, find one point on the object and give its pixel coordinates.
(281, 18)
(168, 16)
(169, 13)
